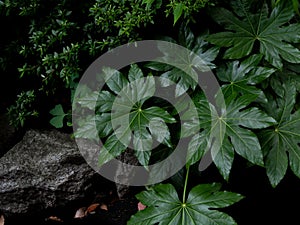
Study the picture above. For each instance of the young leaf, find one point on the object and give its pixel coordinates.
(178, 11)
(164, 206)
(268, 30)
(58, 120)
(282, 139)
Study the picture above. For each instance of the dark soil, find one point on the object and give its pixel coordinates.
(118, 212)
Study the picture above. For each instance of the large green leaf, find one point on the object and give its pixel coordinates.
(241, 78)
(281, 143)
(89, 127)
(197, 57)
(231, 131)
(103, 100)
(164, 206)
(114, 79)
(142, 142)
(269, 30)
(122, 118)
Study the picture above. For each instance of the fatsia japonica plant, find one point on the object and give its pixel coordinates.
(272, 30)
(255, 112)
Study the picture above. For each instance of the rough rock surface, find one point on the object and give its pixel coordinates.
(43, 170)
(124, 173)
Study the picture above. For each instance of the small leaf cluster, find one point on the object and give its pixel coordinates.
(23, 109)
(186, 9)
(117, 22)
(58, 39)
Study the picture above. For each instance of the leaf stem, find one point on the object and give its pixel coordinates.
(185, 184)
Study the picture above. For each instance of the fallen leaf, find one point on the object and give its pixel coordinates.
(104, 207)
(79, 213)
(55, 218)
(91, 209)
(2, 220)
(141, 206)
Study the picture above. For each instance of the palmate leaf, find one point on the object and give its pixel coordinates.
(280, 144)
(184, 72)
(88, 127)
(229, 133)
(123, 119)
(241, 78)
(268, 30)
(164, 206)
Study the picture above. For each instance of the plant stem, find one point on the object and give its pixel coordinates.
(185, 184)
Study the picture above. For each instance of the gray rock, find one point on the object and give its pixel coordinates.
(43, 170)
(124, 173)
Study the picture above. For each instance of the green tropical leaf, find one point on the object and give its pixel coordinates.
(160, 131)
(275, 38)
(121, 117)
(88, 99)
(156, 112)
(142, 142)
(102, 101)
(114, 79)
(112, 148)
(280, 144)
(241, 78)
(164, 206)
(135, 73)
(186, 66)
(231, 131)
(87, 128)
(196, 148)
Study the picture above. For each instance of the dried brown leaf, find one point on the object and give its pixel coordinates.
(55, 218)
(91, 209)
(2, 220)
(104, 207)
(80, 212)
